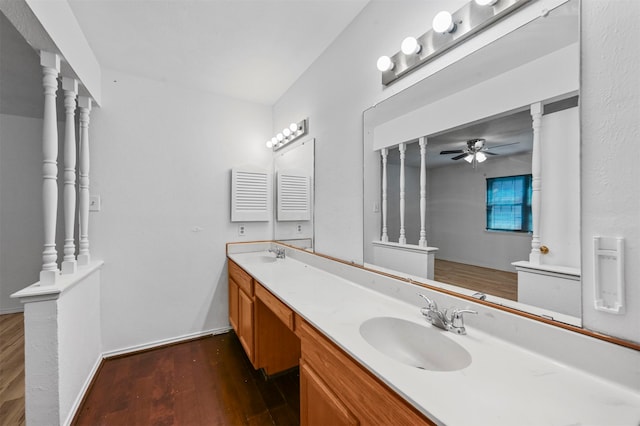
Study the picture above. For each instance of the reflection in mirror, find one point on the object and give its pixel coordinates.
(479, 189)
(294, 188)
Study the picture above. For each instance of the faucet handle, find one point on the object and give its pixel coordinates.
(431, 304)
(457, 320)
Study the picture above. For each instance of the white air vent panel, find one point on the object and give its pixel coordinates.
(294, 196)
(250, 195)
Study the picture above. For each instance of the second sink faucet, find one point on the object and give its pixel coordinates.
(453, 322)
(279, 251)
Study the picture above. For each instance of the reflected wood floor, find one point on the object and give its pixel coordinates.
(208, 381)
(12, 369)
(485, 280)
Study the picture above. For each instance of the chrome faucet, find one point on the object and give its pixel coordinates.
(279, 251)
(453, 322)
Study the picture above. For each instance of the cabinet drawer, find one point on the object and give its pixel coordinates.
(280, 310)
(363, 394)
(244, 280)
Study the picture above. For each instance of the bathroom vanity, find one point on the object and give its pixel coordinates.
(367, 354)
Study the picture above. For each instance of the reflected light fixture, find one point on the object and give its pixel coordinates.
(448, 30)
(443, 23)
(289, 134)
(385, 64)
(410, 46)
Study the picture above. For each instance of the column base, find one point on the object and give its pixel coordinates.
(84, 259)
(535, 258)
(49, 277)
(69, 267)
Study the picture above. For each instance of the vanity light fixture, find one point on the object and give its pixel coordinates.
(410, 46)
(289, 134)
(443, 23)
(448, 30)
(385, 64)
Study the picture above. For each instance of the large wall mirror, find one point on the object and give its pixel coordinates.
(294, 177)
(472, 175)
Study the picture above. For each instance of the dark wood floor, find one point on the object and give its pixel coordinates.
(485, 280)
(12, 369)
(208, 381)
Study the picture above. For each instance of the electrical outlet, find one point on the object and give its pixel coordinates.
(94, 203)
(299, 229)
(242, 230)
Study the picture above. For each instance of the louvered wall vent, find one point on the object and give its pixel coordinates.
(294, 198)
(250, 195)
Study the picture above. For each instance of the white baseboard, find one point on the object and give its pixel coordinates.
(4, 311)
(162, 342)
(83, 390)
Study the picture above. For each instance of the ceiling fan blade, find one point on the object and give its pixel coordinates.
(498, 146)
(457, 157)
(490, 153)
(455, 151)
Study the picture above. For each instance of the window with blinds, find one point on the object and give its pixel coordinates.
(509, 203)
(250, 195)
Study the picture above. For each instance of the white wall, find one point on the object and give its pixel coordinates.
(343, 82)
(610, 107)
(456, 213)
(79, 342)
(21, 223)
(160, 160)
(333, 93)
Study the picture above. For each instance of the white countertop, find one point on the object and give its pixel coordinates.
(504, 384)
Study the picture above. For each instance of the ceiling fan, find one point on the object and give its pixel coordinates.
(476, 151)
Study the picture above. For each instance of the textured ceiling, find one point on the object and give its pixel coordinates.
(247, 49)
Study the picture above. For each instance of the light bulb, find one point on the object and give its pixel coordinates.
(274, 141)
(280, 137)
(486, 2)
(480, 157)
(384, 64)
(443, 23)
(286, 132)
(293, 127)
(469, 158)
(410, 46)
(269, 144)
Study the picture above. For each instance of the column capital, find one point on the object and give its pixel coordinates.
(50, 60)
(69, 84)
(84, 102)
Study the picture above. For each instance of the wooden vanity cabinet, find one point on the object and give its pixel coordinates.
(335, 389)
(241, 308)
(263, 324)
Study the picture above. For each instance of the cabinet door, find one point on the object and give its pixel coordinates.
(318, 404)
(245, 323)
(233, 304)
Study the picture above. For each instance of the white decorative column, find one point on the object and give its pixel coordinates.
(422, 142)
(384, 152)
(84, 103)
(70, 87)
(50, 63)
(403, 149)
(536, 172)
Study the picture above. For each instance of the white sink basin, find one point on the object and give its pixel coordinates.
(266, 259)
(419, 346)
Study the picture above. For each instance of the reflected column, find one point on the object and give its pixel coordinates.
(403, 149)
(536, 183)
(422, 142)
(384, 152)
